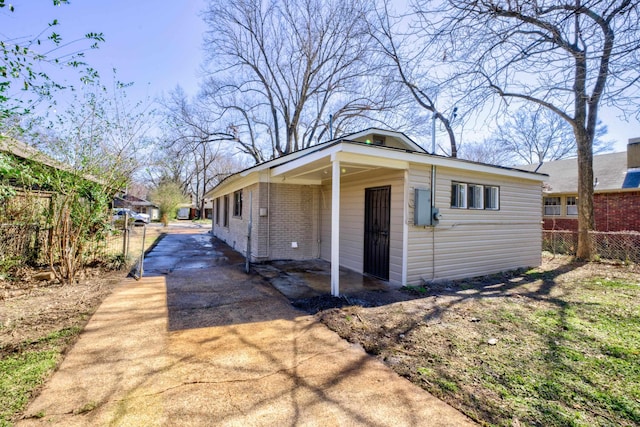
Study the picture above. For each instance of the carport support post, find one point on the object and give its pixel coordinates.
(335, 228)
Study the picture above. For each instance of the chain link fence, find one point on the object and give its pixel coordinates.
(23, 244)
(614, 245)
(28, 244)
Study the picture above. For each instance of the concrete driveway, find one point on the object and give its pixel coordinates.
(197, 342)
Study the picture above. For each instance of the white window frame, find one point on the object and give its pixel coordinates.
(552, 209)
(475, 194)
(459, 201)
(572, 209)
(494, 196)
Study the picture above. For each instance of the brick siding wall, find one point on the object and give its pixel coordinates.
(612, 212)
(293, 217)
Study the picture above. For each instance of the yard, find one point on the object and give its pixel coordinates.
(40, 320)
(557, 345)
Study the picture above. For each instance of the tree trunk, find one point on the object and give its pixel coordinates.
(585, 197)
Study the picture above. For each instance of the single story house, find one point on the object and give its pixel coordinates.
(616, 186)
(365, 202)
(38, 197)
(137, 205)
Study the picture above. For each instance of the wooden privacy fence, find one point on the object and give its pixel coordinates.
(614, 245)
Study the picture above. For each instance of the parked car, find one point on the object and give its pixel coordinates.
(138, 218)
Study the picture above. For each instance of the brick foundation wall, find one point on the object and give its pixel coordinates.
(612, 212)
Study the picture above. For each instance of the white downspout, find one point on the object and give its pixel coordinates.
(433, 197)
(335, 227)
(405, 229)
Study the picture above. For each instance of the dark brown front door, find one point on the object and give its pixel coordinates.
(377, 213)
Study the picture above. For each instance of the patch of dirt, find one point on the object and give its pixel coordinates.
(426, 334)
(32, 309)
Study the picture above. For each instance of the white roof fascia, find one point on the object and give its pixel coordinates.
(309, 158)
(428, 159)
(370, 160)
(235, 183)
(286, 158)
(282, 165)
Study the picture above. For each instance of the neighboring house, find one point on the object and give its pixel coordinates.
(26, 153)
(23, 151)
(364, 202)
(23, 209)
(138, 205)
(208, 209)
(616, 201)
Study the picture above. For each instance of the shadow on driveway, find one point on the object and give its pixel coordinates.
(198, 342)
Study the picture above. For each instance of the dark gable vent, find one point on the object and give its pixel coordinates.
(378, 140)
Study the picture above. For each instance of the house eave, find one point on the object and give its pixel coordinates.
(276, 170)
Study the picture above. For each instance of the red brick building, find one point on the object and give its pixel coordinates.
(616, 202)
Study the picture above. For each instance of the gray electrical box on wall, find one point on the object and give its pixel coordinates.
(422, 207)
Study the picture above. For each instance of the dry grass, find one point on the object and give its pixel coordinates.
(553, 346)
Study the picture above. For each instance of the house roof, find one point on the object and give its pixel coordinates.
(610, 173)
(311, 165)
(361, 135)
(131, 200)
(21, 150)
(24, 151)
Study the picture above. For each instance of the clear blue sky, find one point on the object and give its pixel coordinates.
(155, 44)
(158, 44)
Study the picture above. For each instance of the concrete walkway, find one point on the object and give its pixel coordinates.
(197, 342)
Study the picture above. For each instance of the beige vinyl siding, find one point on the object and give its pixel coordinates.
(472, 242)
(419, 253)
(352, 193)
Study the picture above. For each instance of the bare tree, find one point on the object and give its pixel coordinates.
(486, 151)
(281, 68)
(566, 56)
(411, 64)
(95, 145)
(195, 153)
(541, 136)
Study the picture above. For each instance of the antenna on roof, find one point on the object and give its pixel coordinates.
(330, 126)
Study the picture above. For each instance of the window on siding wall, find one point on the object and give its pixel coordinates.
(552, 206)
(225, 211)
(218, 211)
(572, 205)
(458, 195)
(237, 203)
(476, 196)
(491, 197)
